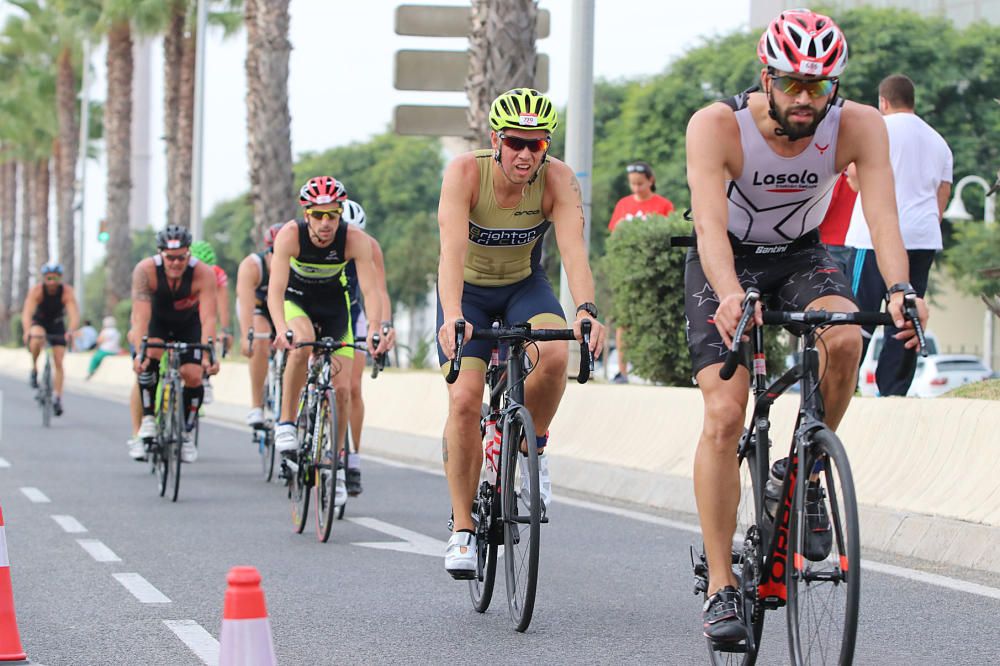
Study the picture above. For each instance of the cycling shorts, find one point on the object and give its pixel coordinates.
(531, 300)
(789, 277)
(187, 331)
(55, 331)
(328, 320)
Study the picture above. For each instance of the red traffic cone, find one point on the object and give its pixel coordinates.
(10, 642)
(246, 631)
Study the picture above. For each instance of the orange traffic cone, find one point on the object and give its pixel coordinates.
(246, 631)
(10, 642)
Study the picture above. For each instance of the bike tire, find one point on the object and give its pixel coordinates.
(265, 446)
(824, 595)
(47, 395)
(325, 459)
(298, 491)
(176, 441)
(486, 509)
(521, 517)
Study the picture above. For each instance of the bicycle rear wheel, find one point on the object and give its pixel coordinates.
(176, 441)
(325, 485)
(824, 583)
(522, 516)
(265, 447)
(486, 511)
(301, 479)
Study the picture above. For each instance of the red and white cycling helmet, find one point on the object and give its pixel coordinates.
(322, 190)
(801, 41)
(271, 233)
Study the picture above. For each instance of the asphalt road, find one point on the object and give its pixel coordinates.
(615, 586)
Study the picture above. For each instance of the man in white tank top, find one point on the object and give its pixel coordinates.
(761, 168)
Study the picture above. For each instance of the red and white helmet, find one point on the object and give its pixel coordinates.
(322, 190)
(801, 41)
(271, 233)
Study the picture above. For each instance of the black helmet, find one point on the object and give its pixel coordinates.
(173, 237)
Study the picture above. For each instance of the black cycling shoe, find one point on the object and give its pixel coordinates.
(57, 407)
(33, 379)
(819, 532)
(723, 616)
(354, 481)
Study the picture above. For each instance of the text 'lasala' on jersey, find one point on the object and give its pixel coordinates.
(788, 182)
(504, 237)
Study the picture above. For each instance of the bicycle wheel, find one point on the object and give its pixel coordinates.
(265, 447)
(298, 489)
(486, 512)
(325, 485)
(522, 515)
(176, 440)
(747, 556)
(824, 582)
(47, 395)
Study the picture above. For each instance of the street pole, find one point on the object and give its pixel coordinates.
(81, 170)
(199, 120)
(579, 133)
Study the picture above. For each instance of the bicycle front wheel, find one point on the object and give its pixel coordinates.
(824, 583)
(298, 490)
(325, 485)
(522, 515)
(265, 446)
(47, 396)
(176, 441)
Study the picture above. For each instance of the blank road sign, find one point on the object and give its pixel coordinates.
(431, 120)
(446, 71)
(437, 21)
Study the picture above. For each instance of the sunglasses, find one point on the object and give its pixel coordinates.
(534, 145)
(324, 214)
(175, 258)
(636, 168)
(53, 278)
(815, 87)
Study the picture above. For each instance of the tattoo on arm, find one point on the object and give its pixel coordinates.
(575, 184)
(141, 290)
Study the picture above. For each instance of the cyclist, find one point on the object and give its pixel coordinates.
(307, 294)
(204, 252)
(496, 206)
(251, 310)
(355, 214)
(761, 168)
(46, 307)
(173, 299)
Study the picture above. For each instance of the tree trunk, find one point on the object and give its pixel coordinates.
(24, 233)
(501, 56)
(269, 146)
(181, 194)
(8, 219)
(40, 212)
(66, 158)
(173, 48)
(118, 138)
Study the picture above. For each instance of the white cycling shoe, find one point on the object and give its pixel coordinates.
(255, 417)
(284, 438)
(189, 452)
(147, 430)
(544, 480)
(461, 558)
(136, 449)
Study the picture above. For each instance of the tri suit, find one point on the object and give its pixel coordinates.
(51, 315)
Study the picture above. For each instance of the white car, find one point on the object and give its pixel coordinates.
(866, 375)
(939, 373)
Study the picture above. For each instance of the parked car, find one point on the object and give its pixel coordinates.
(866, 375)
(939, 373)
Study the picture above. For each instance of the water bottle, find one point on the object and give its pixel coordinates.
(772, 489)
(491, 450)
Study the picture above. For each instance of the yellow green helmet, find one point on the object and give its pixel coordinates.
(523, 108)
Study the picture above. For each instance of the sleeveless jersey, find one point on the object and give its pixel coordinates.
(505, 244)
(174, 308)
(51, 309)
(317, 270)
(260, 293)
(779, 199)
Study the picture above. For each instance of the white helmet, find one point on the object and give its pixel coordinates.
(353, 214)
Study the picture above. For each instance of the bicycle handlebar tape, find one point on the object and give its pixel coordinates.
(246, 631)
(11, 651)
(586, 357)
(456, 363)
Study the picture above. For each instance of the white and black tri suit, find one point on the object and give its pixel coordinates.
(775, 208)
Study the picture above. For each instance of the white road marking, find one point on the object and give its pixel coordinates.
(4, 463)
(141, 588)
(413, 542)
(35, 495)
(197, 638)
(932, 579)
(69, 524)
(98, 550)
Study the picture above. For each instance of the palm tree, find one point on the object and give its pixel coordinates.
(8, 215)
(502, 56)
(40, 211)
(269, 144)
(24, 232)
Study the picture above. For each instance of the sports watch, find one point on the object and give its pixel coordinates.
(904, 287)
(589, 308)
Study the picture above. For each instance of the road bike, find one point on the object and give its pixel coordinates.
(43, 394)
(800, 544)
(504, 517)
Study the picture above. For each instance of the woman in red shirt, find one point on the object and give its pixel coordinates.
(642, 202)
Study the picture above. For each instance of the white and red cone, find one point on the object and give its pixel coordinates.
(246, 631)
(11, 651)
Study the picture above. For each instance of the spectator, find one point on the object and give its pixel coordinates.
(922, 168)
(85, 338)
(642, 202)
(833, 229)
(108, 344)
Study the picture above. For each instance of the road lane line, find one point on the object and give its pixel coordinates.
(197, 638)
(412, 542)
(141, 588)
(35, 495)
(98, 550)
(932, 579)
(4, 464)
(69, 524)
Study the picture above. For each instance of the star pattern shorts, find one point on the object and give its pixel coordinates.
(789, 277)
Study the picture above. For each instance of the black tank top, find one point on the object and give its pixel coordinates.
(51, 309)
(261, 291)
(174, 308)
(317, 270)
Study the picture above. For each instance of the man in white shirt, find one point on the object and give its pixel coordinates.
(922, 169)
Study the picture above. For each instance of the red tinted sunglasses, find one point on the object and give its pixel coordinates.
(517, 144)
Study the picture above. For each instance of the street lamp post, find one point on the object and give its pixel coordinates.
(956, 212)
